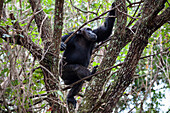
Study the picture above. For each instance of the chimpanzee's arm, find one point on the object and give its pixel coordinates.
(103, 32)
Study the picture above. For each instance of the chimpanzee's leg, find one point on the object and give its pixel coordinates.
(72, 73)
(74, 90)
(84, 72)
(94, 69)
(68, 74)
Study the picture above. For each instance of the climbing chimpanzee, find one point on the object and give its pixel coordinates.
(78, 51)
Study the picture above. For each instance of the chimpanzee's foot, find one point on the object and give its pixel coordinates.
(93, 72)
(72, 101)
(94, 69)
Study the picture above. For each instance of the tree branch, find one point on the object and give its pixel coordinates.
(146, 93)
(123, 79)
(160, 20)
(81, 9)
(70, 86)
(120, 64)
(57, 34)
(1, 7)
(21, 39)
(45, 27)
(98, 17)
(95, 87)
(152, 7)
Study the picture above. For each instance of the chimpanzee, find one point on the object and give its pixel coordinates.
(78, 51)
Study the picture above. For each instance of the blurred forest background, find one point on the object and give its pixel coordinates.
(22, 84)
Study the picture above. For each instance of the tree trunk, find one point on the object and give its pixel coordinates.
(98, 98)
(1, 7)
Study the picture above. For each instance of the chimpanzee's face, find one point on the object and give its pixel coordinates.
(88, 34)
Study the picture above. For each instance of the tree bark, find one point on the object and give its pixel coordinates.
(1, 7)
(58, 26)
(96, 99)
(105, 101)
(139, 42)
(50, 50)
(94, 90)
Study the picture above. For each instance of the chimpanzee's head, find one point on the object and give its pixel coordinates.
(88, 34)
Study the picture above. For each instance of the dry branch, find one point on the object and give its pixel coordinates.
(70, 86)
(98, 17)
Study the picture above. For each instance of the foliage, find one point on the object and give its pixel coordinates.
(24, 87)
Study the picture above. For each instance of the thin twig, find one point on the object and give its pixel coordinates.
(32, 17)
(82, 10)
(99, 103)
(155, 78)
(68, 87)
(49, 72)
(98, 17)
(129, 2)
(127, 14)
(130, 5)
(132, 20)
(98, 9)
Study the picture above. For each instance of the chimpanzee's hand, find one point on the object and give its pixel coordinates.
(112, 13)
(63, 46)
(93, 72)
(113, 4)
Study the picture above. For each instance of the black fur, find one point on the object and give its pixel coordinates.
(77, 54)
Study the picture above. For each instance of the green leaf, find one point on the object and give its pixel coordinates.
(43, 105)
(7, 1)
(95, 63)
(60, 93)
(1, 41)
(4, 71)
(14, 82)
(42, 92)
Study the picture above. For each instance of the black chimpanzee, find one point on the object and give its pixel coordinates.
(78, 51)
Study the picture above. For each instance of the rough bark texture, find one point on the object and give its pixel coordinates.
(42, 21)
(125, 74)
(94, 91)
(50, 44)
(1, 7)
(45, 56)
(100, 101)
(96, 99)
(22, 39)
(58, 26)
